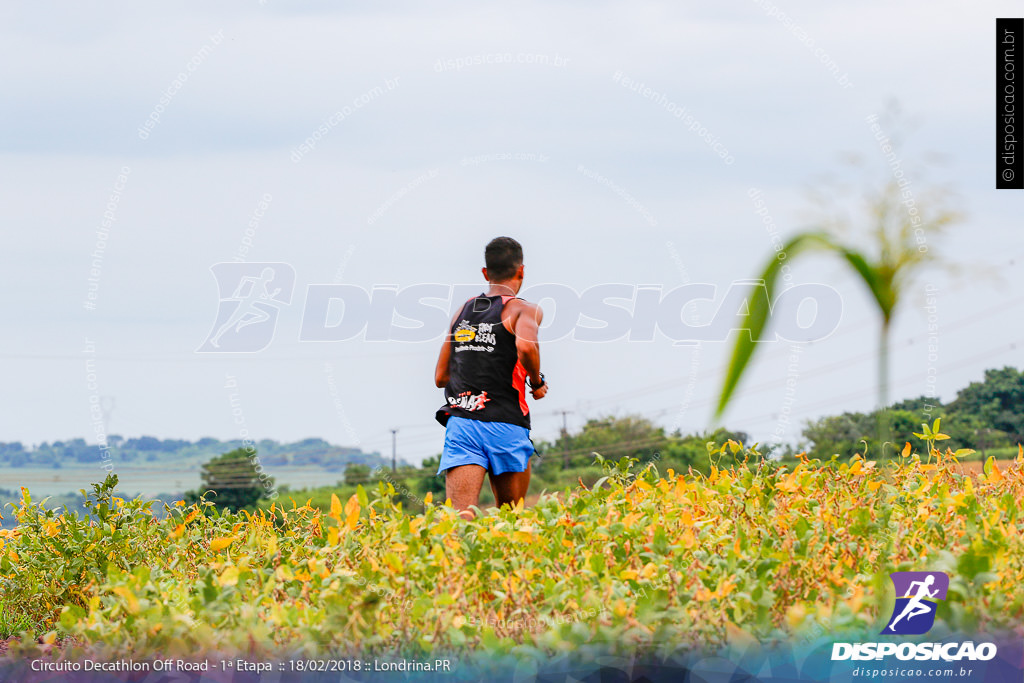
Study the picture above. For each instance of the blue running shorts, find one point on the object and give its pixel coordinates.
(499, 447)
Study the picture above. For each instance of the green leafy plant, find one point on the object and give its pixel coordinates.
(750, 550)
(886, 271)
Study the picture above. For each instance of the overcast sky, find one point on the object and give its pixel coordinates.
(435, 129)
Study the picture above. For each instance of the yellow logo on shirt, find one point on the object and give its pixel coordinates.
(465, 334)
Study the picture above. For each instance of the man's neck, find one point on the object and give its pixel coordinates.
(503, 289)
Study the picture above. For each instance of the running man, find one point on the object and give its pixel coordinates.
(914, 606)
(489, 354)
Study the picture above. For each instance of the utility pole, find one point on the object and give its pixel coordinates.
(565, 440)
(394, 457)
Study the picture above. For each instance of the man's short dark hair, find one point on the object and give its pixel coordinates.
(503, 256)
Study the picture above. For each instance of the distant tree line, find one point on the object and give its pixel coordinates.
(149, 449)
(984, 416)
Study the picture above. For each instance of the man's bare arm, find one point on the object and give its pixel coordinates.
(527, 345)
(441, 370)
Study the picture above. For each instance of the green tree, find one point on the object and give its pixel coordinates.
(357, 473)
(997, 402)
(234, 478)
(612, 437)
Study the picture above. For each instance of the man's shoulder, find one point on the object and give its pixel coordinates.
(515, 309)
(518, 305)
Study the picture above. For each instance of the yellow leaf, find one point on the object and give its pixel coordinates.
(427, 499)
(415, 524)
(906, 450)
(229, 577)
(335, 508)
(218, 544)
(352, 512)
(789, 483)
(333, 536)
(628, 574)
(680, 488)
(50, 638)
(995, 476)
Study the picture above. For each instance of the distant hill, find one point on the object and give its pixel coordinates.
(145, 450)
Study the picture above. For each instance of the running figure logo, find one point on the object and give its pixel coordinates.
(251, 295)
(917, 596)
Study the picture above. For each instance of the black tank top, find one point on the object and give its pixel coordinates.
(486, 381)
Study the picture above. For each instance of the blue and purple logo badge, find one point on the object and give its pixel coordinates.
(917, 598)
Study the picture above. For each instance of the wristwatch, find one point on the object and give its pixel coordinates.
(542, 383)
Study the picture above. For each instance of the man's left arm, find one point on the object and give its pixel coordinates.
(441, 370)
(528, 346)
